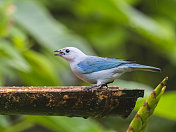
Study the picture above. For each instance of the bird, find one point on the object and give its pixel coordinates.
(98, 70)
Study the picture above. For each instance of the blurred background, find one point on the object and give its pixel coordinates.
(140, 30)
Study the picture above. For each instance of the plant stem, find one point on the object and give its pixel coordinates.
(139, 123)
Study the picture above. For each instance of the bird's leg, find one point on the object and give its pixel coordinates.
(110, 82)
(106, 84)
(99, 85)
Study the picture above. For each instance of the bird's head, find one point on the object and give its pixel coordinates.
(70, 53)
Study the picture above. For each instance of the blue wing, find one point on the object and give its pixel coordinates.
(95, 64)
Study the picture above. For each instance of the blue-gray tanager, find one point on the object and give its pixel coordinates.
(98, 70)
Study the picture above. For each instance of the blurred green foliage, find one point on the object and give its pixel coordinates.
(131, 29)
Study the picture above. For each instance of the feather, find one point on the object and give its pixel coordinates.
(143, 67)
(94, 64)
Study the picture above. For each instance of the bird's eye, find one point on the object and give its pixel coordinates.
(67, 50)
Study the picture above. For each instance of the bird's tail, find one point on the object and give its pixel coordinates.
(143, 67)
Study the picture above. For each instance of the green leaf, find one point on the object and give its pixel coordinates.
(20, 126)
(42, 72)
(19, 39)
(4, 123)
(6, 10)
(123, 14)
(41, 25)
(11, 57)
(166, 107)
(66, 124)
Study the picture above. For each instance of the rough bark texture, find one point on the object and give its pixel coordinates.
(68, 101)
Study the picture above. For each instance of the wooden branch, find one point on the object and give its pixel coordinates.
(68, 101)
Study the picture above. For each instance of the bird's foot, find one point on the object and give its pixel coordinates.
(90, 88)
(106, 86)
(98, 88)
(103, 87)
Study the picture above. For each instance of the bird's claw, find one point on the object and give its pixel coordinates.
(92, 88)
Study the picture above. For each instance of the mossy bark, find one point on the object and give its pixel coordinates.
(68, 101)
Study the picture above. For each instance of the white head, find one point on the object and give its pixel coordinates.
(70, 53)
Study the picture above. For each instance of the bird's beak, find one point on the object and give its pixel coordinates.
(59, 52)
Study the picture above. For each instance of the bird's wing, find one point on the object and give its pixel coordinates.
(95, 64)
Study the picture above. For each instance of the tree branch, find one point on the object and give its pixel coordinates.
(68, 101)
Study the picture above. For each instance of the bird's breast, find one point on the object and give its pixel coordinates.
(85, 77)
